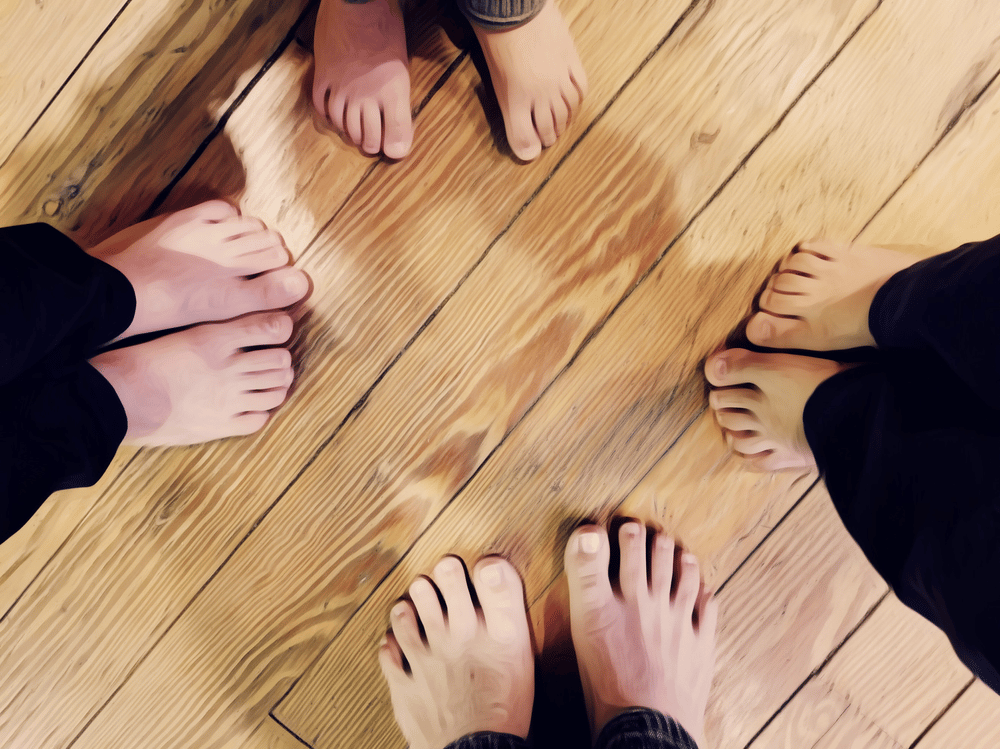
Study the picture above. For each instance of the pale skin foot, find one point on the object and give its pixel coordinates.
(200, 384)
(475, 672)
(538, 78)
(820, 297)
(652, 645)
(193, 266)
(759, 399)
(362, 81)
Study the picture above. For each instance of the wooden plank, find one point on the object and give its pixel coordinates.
(970, 723)
(227, 503)
(139, 105)
(806, 719)
(43, 43)
(271, 735)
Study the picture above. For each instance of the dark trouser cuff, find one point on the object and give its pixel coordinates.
(498, 15)
(641, 728)
(489, 740)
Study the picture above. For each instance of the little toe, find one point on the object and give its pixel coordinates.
(449, 575)
(244, 424)
(773, 331)
(276, 289)
(406, 630)
(371, 127)
(632, 570)
(425, 601)
(501, 597)
(390, 658)
(586, 560)
(661, 566)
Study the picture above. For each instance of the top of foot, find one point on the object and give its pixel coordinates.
(194, 266)
(538, 79)
(821, 295)
(475, 672)
(362, 80)
(647, 647)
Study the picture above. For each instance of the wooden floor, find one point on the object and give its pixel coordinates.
(492, 352)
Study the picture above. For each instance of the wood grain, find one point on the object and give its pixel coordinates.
(970, 723)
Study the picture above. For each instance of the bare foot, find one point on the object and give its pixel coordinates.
(192, 266)
(761, 403)
(647, 647)
(538, 78)
(362, 81)
(200, 384)
(820, 297)
(475, 672)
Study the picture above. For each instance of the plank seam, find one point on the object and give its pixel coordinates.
(944, 710)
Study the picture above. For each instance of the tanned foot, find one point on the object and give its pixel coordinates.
(538, 78)
(194, 266)
(475, 671)
(647, 647)
(201, 384)
(820, 297)
(759, 403)
(362, 81)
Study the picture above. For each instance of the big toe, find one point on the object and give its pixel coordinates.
(587, 556)
(773, 331)
(501, 597)
(522, 137)
(731, 367)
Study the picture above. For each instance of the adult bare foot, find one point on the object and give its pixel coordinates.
(193, 266)
(362, 81)
(820, 297)
(760, 403)
(475, 672)
(538, 78)
(647, 647)
(201, 384)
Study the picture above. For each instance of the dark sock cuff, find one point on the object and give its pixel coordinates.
(498, 15)
(489, 740)
(642, 728)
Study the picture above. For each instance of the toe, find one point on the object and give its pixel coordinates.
(271, 379)
(661, 566)
(425, 601)
(258, 401)
(706, 613)
(521, 134)
(501, 597)
(255, 243)
(398, 128)
(587, 556)
(321, 95)
(352, 122)
(390, 657)
(247, 423)
(773, 331)
(688, 584)
(263, 361)
(214, 210)
(449, 575)
(371, 127)
(560, 115)
(545, 124)
(632, 570)
(748, 442)
(262, 329)
(729, 367)
(786, 282)
(406, 631)
(274, 290)
(737, 421)
(743, 398)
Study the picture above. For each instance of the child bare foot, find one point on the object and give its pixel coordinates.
(192, 266)
(648, 647)
(820, 297)
(475, 671)
(362, 81)
(538, 78)
(201, 384)
(760, 403)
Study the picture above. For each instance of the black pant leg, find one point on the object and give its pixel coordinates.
(56, 301)
(948, 304)
(909, 453)
(60, 421)
(641, 728)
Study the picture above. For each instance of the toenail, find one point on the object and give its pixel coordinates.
(492, 575)
(688, 558)
(590, 542)
(721, 367)
(295, 284)
(767, 330)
